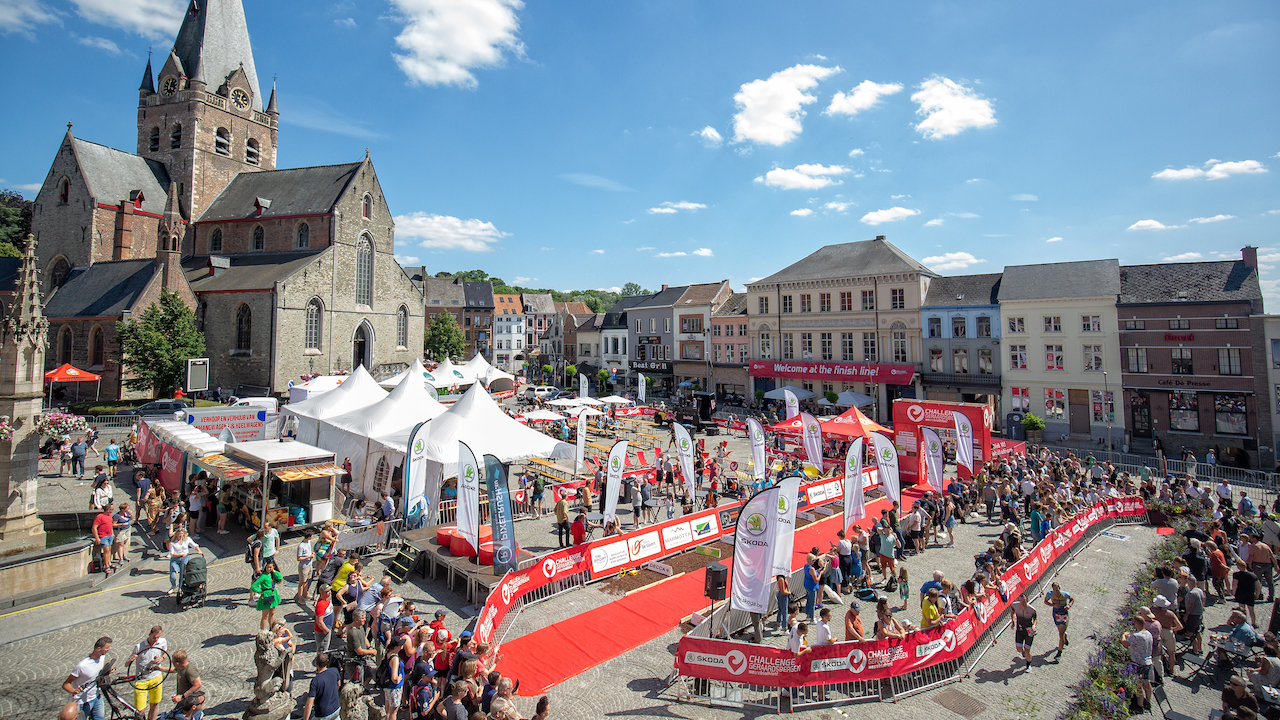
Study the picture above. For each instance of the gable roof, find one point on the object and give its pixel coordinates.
(538, 304)
(105, 289)
(478, 294)
(963, 290)
(591, 323)
(295, 191)
(112, 174)
(213, 42)
(703, 293)
(855, 259)
(616, 317)
(251, 271)
(1083, 279)
(448, 291)
(662, 298)
(736, 304)
(508, 301)
(573, 308)
(1224, 281)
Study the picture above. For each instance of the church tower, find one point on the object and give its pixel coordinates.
(22, 341)
(202, 114)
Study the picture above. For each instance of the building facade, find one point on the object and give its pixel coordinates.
(1195, 353)
(477, 318)
(652, 338)
(508, 332)
(614, 335)
(961, 321)
(539, 312)
(691, 318)
(1061, 347)
(730, 351)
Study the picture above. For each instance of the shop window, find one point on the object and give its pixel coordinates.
(1184, 411)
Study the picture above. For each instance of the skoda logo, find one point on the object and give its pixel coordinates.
(418, 445)
(782, 504)
(964, 427)
(933, 446)
(759, 436)
(791, 399)
(857, 660)
(813, 428)
(755, 524)
(615, 464)
(684, 444)
(887, 454)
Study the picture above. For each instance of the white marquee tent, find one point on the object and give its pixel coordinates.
(358, 391)
(315, 386)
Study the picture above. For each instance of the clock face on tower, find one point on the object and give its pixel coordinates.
(169, 86)
(240, 98)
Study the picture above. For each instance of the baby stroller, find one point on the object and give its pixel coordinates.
(192, 588)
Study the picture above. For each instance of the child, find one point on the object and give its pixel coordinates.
(903, 586)
(670, 505)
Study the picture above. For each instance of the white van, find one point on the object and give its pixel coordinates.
(540, 392)
(269, 404)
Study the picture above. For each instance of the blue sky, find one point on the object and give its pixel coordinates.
(577, 145)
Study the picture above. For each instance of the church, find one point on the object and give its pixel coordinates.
(289, 271)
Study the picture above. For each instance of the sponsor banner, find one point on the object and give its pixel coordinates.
(792, 403)
(755, 541)
(784, 519)
(890, 374)
(855, 504)
(676, 535)
(148, 450)
(504, 536)
(684, 453)
(934, 461)
(607, 557)
(643, 546)
(635, 411)
(171, 466)
(418, 497)
(613, 479)
(812, 439)
(964, 441)
(640, 387)
(887, 464)
(951, 419)
(732, 425)
(468, 496)
(877, 659)
(245, 423)
(1001, 447)
(580, 450)
(758, 462)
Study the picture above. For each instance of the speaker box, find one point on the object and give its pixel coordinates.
(717, 580)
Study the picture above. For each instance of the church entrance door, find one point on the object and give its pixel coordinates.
(360, 348)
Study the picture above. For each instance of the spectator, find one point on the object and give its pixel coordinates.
(323, 624)
(83, 686)
(1139, 642)
(187, 677)
(358, 649)
(322, 696)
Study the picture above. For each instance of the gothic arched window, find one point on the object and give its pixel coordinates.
(64, 190)
(304, 236)
(251, 152)
(259, 238)
(222, 143)
(315, 313)
(215, 240)
(175, 136)
(96, 352)
(244, 328)
(366, 208)
(64, 346)
(58, 274)
(402, 327)
(364, 271)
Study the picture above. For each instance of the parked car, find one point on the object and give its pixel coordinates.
(563, 395)
(269, 404)
(541, 392)
(155, 408)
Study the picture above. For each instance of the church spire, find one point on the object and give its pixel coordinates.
(25, 322)
(271, 104)
(148, 80)
(214, 38)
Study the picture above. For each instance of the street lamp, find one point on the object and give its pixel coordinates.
(1106, 392)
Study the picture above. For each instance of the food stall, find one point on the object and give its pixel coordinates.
(295, 479)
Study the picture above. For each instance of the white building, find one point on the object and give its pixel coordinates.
(508, 333)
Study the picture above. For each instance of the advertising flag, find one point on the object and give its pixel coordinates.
(757, 447)
(468, 496)
(613, 479)
(964, 441)
(933, 458)
(785, 522)
(855, 504)
(793, 403)
(641, 387)
(579, 457)
(753, 541)
(583, 389)
(504, 535)
(812, 440)
(887, 462)
(416, 496)
(684, 452)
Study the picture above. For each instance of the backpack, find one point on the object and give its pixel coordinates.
(382, 677)
(248, 551)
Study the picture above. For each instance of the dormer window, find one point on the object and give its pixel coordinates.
(260, 205)
(222, 143)
(137, 198)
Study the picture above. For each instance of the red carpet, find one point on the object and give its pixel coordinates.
(547, 657)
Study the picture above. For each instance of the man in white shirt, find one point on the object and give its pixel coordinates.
(150, 683)
(83, 686)
(306, 561)
(1223, 490)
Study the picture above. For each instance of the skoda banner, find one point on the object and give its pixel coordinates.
(684, 451)
(417, 497)
(964, 441)
(785, 517)
(793, 403)
(887, 462)
(468, 496)
(504, 535)
(613, 479)
(931, 448)
(753, 542)
(855, 504)
(756, 431)
(580, 456)
(640, 387)
(812, 440)
(583, 390)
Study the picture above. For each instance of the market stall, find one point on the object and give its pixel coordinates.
(296, 480)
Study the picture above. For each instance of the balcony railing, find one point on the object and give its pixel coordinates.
(961, 379)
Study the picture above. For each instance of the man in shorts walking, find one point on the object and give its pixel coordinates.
(149, 687)
(1061, 603)
(1024, 618)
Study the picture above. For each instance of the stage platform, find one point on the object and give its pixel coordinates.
(434, 559)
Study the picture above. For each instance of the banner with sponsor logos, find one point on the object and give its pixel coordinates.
(684, 452)
(504, 535)
(613, 479)
(886, 373)
(580, 450)
(964, 441)
(640, 386)
(887, 464)
(147, 449)
(911, 416)
(934, 460)
(754, 540)
(784, 518)
(855, 504)
(468, 496)
(756, 432)
(877, 659)
(792, 403)
(416, 496)
(172, 464)
(584, 389)
(635, 411)
(812, 439)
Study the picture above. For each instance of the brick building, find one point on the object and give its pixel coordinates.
(730, 351)
(477, 317)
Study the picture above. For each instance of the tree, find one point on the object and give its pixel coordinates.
(633, 289)
(831, 396)
(15, 223)
(155, 347)
(603, 376)
(570, 374)
(443, 338)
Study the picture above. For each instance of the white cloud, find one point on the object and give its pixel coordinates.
(839, 206)
(1152, 225)
(318, 114)
(893, 214)
(1212, 170)
(595, 181)
(345, 22)
(597, 251)
(612, 289)
(1266, 257)
(769, 110)
(1272, 212)
(802, 212)
(965, 215)
(1054, 239)
(898, 197)
(672, 254)
(668, 208)
(1024, 197)
(806, 177)
(950, 108)
(156, 19)
(644, 249)
(1214, 219)
(857, 152)
(406, 260)
(863, 97)
(754, 279)
(1270, 291)
(522, 280)
(709, 136)
(445, 232)
(935, 222)
(30, 187)
(703, 252)
(21, 16)
(98, 42)
(1184, 257)
(951, 261)
(445, 39)
(972, 180)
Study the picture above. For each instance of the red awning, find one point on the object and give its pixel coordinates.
(67, 373)
(852, 423)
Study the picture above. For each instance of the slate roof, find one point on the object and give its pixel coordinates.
(215, 37)
(662, 298)
(448, 290)
(963, 290)
(1083, 279)
(702, 293)
(295, 191)
(616, 317)
(855, 259)
(736, 304)
(251, 271)
(591, 323)
(112, 174)
(478, 294)
(104, 289)
(538, 304)
(1224, 281)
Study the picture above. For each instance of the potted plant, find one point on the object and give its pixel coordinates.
(1033, 425)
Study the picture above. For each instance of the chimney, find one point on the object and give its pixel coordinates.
(880, 237)
(123, 241)
(664, 287)
(1250, 255)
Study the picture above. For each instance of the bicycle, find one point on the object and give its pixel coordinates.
(120, 708)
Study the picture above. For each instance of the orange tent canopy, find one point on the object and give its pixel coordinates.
(68, 373)
(852, 423)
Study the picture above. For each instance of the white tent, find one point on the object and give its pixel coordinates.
(498, 381)
(186, 438)
(477, 367)
(351, 434)
(394, 380)
(588, 401)
(315, 386)
(849, 398)
(544, 415)
(615, 400)
(449, 375)
(801, 393)
(566, 402)
(356, 392)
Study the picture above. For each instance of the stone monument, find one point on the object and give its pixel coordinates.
(23, 331)
(271, 698)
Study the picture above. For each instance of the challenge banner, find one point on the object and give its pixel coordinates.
(504, 535)
(468, 496)
(756, 431)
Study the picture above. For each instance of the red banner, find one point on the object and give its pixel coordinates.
(1002, 447)
(170, 467)
(875, 659)
(910, 415)
(147, 450)
(891, 374)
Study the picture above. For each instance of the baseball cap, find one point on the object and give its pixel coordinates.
(1161, 601)
(466, 634)
(441, 613)
(406, 621)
